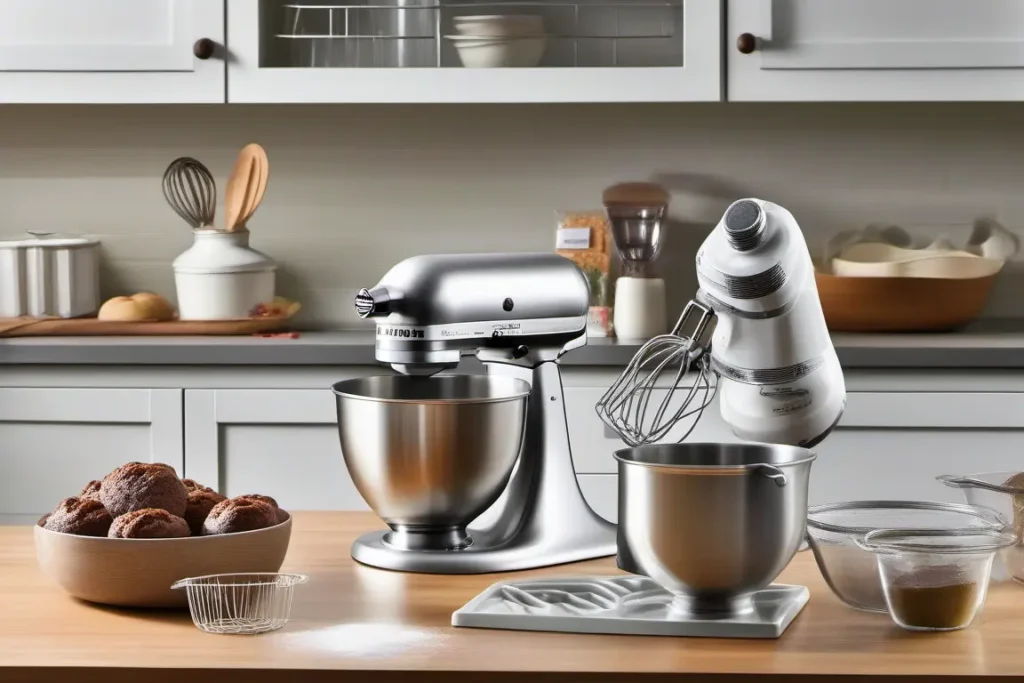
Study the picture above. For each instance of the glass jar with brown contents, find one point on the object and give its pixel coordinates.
(935, 580)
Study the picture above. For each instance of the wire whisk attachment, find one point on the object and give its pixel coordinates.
(627, 406)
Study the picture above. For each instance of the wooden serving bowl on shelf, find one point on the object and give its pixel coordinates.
(899, 304)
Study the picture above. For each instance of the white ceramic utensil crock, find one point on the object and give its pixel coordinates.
(220, 277)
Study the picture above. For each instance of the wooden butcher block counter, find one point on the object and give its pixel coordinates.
(354, 623)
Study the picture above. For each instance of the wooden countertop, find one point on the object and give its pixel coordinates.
(352, 623)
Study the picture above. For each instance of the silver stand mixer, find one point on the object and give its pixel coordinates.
(419, 448)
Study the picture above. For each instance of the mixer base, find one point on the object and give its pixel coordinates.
(626, 605)
(483, 555)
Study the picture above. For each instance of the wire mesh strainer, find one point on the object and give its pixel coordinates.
(240, 603)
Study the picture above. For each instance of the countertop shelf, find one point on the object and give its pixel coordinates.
(989, 344)
(352, 623)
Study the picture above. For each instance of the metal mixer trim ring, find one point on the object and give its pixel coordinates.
(719, 305)
(760, 377)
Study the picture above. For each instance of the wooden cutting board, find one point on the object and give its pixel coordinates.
(91, 327)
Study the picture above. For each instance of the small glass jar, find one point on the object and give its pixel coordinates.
(935, 580)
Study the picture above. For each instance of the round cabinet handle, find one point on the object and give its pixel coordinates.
(746, 43)
(204, 48)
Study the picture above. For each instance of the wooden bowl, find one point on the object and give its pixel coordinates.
(139, 572)
(899, 304)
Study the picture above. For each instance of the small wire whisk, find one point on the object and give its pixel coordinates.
(190, 190)
(240, 604)
(627, 407)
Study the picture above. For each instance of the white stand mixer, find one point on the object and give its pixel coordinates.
(780, 378)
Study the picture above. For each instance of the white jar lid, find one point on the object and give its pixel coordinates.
(41, 239)
(14, 243)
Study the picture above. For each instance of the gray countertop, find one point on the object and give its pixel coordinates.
(991, 344)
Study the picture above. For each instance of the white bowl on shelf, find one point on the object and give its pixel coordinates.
(482, 52)
(500, 25)
(876, 259)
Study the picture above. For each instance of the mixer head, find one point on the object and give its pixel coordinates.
(435, 308)
(781, 381)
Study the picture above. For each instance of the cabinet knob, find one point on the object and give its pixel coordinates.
(746, 43)
(204, 48)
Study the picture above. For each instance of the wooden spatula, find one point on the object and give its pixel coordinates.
(244, 191)
(259, 188)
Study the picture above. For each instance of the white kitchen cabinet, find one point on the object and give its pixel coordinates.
(875, 50)
(111, 51)
(278, 442)
(597, 51)
(53, 441)
(888, 445)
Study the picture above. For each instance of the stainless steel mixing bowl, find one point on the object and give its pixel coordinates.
(430, 454)
(713, 522)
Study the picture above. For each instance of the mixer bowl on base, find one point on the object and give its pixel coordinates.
(429, 455)
(712, 522)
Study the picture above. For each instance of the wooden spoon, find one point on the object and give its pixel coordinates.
(241, 186)
(255, 196)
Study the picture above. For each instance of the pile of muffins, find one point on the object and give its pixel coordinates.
(148, 500)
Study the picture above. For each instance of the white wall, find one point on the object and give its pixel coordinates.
(355, 189)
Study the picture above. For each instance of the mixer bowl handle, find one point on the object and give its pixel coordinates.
(773, 473)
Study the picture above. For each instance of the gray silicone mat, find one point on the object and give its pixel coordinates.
(627, 605)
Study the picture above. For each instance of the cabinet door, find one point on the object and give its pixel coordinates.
(277, 442)
(110, 51)
(53, 441)
(894, 445)
(888, 445)
(401, 51)
(840, 50)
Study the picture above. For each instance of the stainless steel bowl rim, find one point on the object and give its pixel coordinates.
(521, 391)
(884, 541)
(983, 513)
(811, 456)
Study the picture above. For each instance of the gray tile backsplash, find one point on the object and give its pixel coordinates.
(355, 189)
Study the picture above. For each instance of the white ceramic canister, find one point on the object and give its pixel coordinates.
(639, 308)
(49, 275)
(220, 277)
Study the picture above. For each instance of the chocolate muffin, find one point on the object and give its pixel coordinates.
(91, 490)
(200, 502)
(149, 523)
(78, 516)
(235, 515)
(281, 514)
(139, 486)
(193, 485)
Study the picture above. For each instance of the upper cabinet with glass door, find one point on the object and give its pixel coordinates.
(475, 50)
(875, 50)
(111, 51)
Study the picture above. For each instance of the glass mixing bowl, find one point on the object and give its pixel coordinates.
(935, 580)
(1004, 493)
(851, 572)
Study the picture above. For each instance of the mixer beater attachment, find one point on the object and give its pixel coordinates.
(626, 406)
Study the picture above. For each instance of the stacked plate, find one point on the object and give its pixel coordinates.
(499, 40)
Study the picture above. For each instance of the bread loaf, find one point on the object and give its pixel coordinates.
(137, 307)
